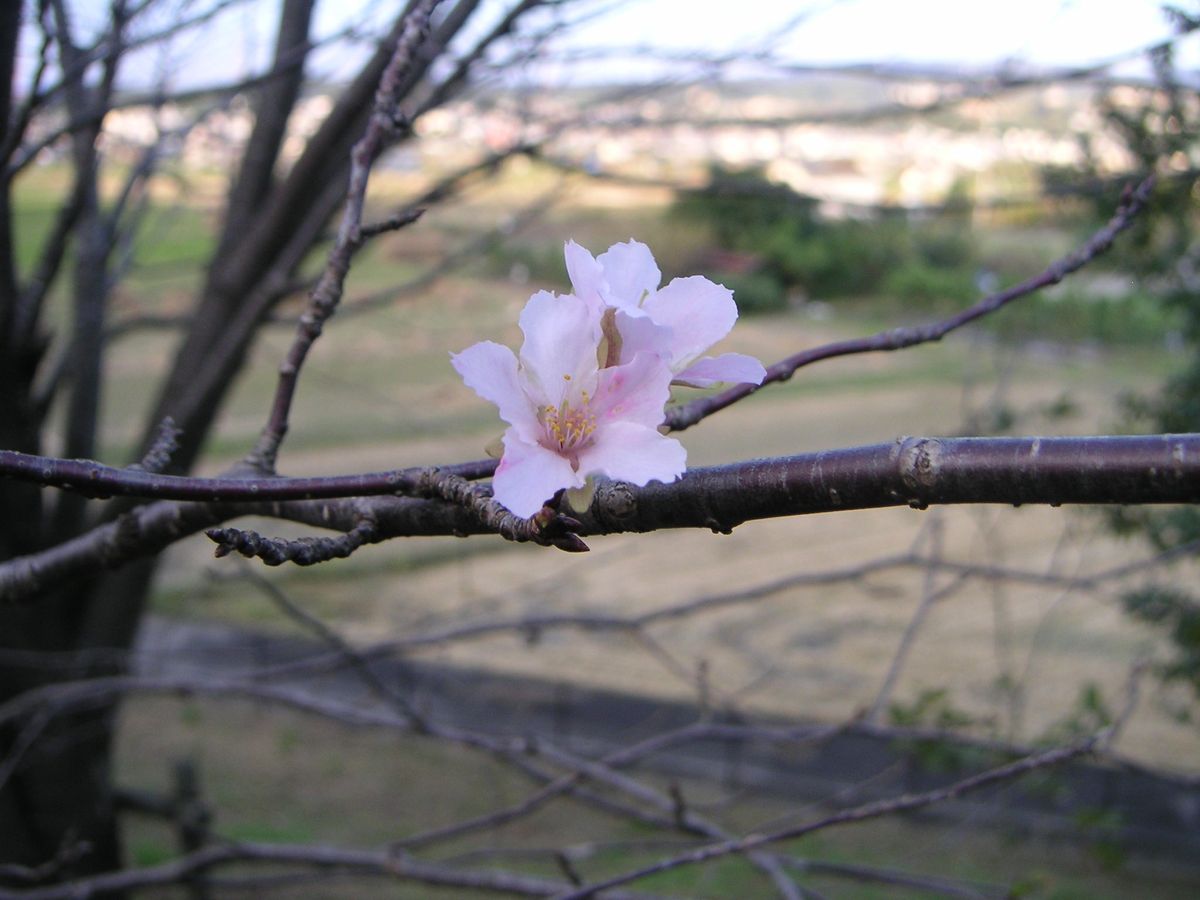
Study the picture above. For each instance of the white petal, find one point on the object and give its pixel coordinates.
(640, 334)
(587, 275)
(558, 357)
(634, 453)
(490, 370)
(698, 312)
(634, 392)
(529, 475)
(737, 368)
(630, 271)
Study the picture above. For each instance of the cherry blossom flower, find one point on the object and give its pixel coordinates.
(568, 417)
(679, 322)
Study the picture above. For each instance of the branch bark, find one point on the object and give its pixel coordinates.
(916, 472)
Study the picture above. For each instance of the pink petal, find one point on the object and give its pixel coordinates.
(634, 392)
(558, 357)
(737, 368)
(640, 334)
(490, 370)
(587, 275)
(529, 475)
(698, 312)
(634, 453)
(630, 271)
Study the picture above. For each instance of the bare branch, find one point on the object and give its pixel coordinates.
(384, 121)
(535, 625)
(93, 479)
(347, 651)
(929, 595)
(303, 856)
(905, 803)
(1132, 204)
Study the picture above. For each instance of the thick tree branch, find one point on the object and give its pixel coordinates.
(916, 472)
(242, 289)
(913, 471)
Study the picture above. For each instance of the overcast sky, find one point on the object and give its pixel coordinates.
(972, 33)
(955, 31)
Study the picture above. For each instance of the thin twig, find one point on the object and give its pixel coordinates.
(306, 551)
(1132, 203)
(360, 663)
(891, 806)
(309, 856)
(929, 596)
(386, 119)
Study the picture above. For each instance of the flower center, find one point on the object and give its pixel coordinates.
(568, 427)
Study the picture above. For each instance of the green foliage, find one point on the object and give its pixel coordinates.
(831, 258)
(1162, 132)
(151, 851)
(942, 246)
(1134, 319)
(1103, 829)
(191, 715)
(932, 709)
(844, 258)
(288, 741)
(268, 832)
(1177, 611)
(1090, 713)
(742, 205)
(925, 286)
(756, 292)
(540, 264)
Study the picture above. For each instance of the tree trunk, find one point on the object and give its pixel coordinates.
(59, 796)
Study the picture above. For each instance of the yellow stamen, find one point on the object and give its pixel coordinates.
(568, 427)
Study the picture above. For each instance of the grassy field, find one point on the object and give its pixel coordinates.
(277, 776)
(379, 393)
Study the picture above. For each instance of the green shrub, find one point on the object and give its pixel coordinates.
(741, 206)
(919, 285)
(825, 258)
(756, 292)
(944, 247)
(1129, 320)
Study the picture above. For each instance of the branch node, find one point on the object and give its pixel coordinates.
(166, 442)
(547, 527)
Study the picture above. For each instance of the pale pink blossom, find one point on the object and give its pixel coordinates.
(568, 417)
(679, 322)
